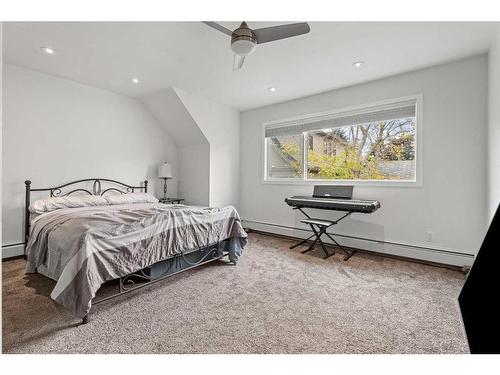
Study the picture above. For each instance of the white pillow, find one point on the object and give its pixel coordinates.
(50, 204)
(131, 198)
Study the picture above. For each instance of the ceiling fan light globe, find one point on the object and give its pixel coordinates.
(243, 47)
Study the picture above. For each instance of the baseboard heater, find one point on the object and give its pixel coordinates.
(465, 259)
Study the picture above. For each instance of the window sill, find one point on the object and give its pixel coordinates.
(363, 183)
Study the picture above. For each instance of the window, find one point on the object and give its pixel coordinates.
(285, 156)
(374, 143)
(329, 146)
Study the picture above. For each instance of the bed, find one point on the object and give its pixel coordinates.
(83, 236)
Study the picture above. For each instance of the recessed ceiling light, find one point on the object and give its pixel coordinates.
(357, 64)
(135, 80)
(48, 50)
(272, 89)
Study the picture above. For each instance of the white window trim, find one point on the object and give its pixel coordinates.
(418, 182)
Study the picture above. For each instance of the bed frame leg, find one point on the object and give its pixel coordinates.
(85, 319)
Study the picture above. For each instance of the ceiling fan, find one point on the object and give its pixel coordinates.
(244, 39)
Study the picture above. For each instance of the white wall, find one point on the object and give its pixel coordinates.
(220, 125)
(451, 203)
(194, 174)
(494, 127)
(55, 131)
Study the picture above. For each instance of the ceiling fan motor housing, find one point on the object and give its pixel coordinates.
(243, 40)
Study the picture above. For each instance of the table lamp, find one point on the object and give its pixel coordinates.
(165, 172)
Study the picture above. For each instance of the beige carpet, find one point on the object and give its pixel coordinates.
(275, 301)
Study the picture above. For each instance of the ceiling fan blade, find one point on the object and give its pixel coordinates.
(218, 27)
(268, 34)
(238, 61)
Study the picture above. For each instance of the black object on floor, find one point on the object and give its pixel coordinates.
(319, 227)
(479, 299)
(329, 197)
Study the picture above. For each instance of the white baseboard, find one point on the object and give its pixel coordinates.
(403, 250)
(12, 251)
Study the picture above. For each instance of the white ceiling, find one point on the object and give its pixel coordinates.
(197, 59)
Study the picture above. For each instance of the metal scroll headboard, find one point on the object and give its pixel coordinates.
(57, 191)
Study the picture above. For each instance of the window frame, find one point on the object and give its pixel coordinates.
(417, 182)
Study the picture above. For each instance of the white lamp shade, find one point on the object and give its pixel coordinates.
(165, 170)
(243, 47)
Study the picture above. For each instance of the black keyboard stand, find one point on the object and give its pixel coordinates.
(319, 227)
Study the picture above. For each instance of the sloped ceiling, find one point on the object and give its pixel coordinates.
(169, 110)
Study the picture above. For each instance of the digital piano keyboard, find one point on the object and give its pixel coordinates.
(329, 197)
(336, 204)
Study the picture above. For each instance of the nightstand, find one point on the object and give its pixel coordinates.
(171, 200)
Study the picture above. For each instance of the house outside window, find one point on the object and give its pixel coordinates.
(372, 143)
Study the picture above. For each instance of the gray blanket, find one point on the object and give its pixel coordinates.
(84, 247)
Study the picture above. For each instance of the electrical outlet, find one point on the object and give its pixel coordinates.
(428, 236)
